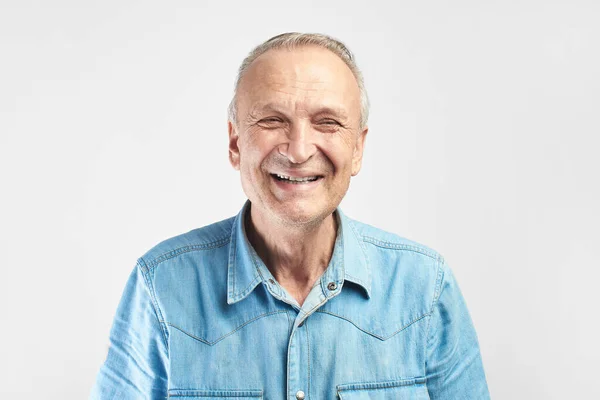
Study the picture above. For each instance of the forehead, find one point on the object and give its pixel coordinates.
(302, 78)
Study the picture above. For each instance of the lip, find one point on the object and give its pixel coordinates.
(296, 174)
(296, 187)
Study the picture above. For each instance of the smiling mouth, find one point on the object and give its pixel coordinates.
(296, 180)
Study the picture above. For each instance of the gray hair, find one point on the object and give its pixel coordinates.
(293, 40)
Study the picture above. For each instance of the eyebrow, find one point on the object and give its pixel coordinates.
(273, 107)
(262, 108)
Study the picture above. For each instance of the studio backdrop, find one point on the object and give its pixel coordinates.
(482, 144)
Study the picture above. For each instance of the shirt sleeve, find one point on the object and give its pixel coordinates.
(454, 366)
(136, 364)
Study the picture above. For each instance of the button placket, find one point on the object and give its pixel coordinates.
(298, 375)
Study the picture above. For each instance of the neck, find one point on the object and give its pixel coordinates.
(296, 255)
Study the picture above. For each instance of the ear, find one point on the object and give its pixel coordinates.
(358, 151)
(234, 150)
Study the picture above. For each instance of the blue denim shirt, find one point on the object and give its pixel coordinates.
(201, 317)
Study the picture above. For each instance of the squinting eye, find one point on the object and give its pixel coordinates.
(270, 123)
(329, 122)
(270, 120)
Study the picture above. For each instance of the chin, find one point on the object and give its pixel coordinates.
(303, 213)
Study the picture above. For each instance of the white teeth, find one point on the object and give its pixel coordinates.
(305, 179)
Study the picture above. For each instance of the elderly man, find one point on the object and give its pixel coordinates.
(291, 299)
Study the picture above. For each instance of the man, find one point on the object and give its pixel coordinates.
(291, 299)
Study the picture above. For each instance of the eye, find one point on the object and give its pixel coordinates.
(329, 122)
(270, 122)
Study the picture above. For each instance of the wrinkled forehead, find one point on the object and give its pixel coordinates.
(299, 80)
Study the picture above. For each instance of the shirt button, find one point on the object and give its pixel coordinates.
(300, 395)
(271, 281)
(332, 286)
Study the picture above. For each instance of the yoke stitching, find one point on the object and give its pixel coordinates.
(401, 246)
(372, 333)
(227, 334)
(186, 249)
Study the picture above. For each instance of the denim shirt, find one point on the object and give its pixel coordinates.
(201, 317)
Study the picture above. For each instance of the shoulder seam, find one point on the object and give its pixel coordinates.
(185, 249)
(154, 302)
(440, 276)
(402, 246)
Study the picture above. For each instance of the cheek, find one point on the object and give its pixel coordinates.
(340, 158)
(339, 149)
(252, 155)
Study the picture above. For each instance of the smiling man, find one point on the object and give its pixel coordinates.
(291, 299)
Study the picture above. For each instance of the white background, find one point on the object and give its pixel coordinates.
(483, 144)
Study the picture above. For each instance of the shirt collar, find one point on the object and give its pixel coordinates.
(349, 261)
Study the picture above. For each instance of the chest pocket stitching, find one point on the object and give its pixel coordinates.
(373, 333)
(380, 385)
(210, 343)
(204, 393)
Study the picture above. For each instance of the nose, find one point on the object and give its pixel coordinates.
(299, 145)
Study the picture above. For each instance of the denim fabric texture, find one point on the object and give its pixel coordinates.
(201, 317)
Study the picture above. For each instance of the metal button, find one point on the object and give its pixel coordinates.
(300, 395)
(271, 281)
(332, 286)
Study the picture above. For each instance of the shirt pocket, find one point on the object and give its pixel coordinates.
(405, 389)
(227, 394)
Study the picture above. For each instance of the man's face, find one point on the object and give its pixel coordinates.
(298, 117)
